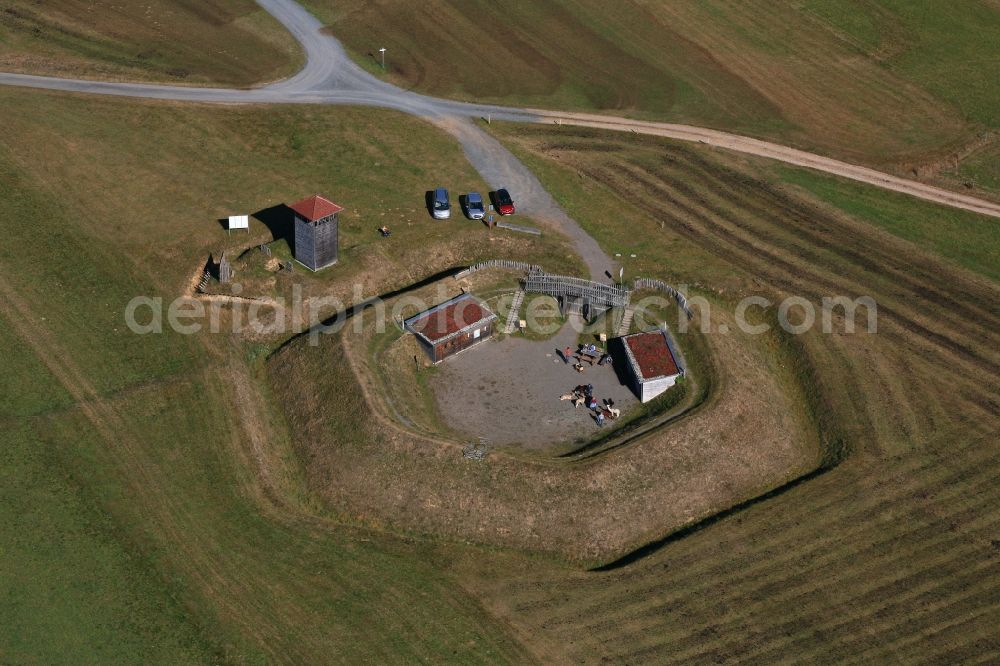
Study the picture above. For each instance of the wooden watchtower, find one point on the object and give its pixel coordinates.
(317, 232)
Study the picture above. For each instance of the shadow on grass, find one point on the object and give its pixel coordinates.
(336, 321)
(429, 203)
(654, 546)
(279, 220)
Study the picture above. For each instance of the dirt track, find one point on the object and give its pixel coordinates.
(785, 154)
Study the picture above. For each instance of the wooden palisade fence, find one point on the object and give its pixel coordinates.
(660, 285)
(504, 264)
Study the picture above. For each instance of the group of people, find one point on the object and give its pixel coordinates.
(584, 395)
(589, 353)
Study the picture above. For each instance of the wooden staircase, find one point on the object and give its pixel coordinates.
(626, 324)
(515, 311)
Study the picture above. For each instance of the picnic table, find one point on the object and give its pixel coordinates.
(585, 353)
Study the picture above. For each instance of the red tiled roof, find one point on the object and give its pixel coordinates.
(441, 322)
(316, 208)
(652, 355)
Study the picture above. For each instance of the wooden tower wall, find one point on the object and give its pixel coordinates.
(317, 244)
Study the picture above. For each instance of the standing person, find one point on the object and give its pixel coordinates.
(567, 354)
(600, 418)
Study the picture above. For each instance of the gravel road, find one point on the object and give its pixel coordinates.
(331, 77)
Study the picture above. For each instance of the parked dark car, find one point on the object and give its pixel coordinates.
(505, 205)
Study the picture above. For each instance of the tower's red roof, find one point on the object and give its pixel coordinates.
(316, 208)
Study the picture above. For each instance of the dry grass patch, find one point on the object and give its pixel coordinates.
(233, 43)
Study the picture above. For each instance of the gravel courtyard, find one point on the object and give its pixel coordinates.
(508, 392)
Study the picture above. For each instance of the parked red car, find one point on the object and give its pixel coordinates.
(505, 205)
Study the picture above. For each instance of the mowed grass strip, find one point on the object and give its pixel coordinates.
(905, 550)
(658, 595)
(891, 84)
(207, 42)
(890, 554)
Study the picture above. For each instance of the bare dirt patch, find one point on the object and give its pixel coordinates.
(507, 391)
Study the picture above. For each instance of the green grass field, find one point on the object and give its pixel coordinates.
(894, 84)
(62, 555)
(232, 43)
(981, 170)
(966, 239)
(157, 508)
(171, 528)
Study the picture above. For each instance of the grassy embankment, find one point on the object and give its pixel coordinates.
(589, 511)
(233, 43)
(735, 447)
(155, 472)
(899, 85)
(543, 311)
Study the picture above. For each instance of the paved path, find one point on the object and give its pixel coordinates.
(331, 77)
